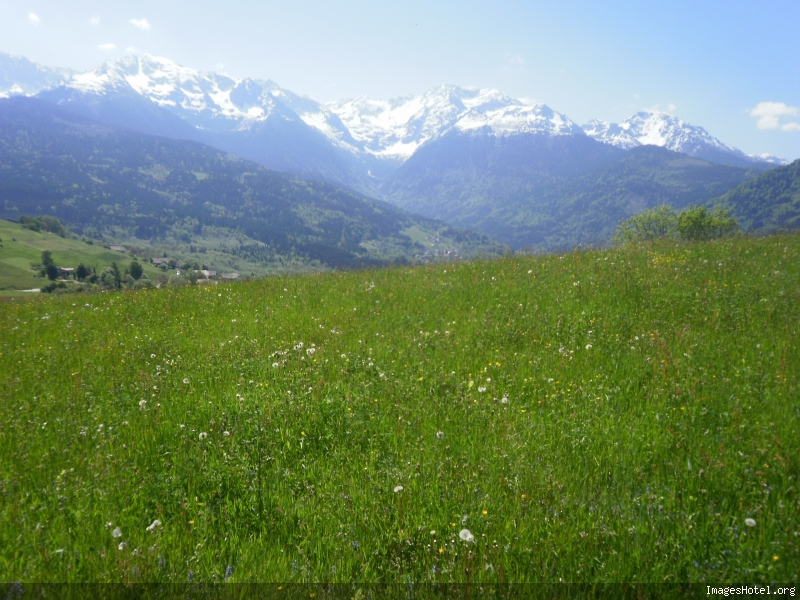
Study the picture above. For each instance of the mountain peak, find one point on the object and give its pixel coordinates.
(657, 128)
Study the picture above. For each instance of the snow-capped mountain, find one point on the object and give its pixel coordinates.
(667, 131)
(354, 142)
(20, 76)
(397, 128)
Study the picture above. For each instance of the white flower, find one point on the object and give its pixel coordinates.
(274, 365)
(588, 346)
(750, 522)
(153, 525)
(481, 389)
(152, 356)
(122, 546)
(504, 400)
(226, 433)
(466, 535)
(398, 488)
(186, 381)
(310, 351)
(440, 434)
(117, 533)
(489, 379)
(203, 435)
(344, 355)
(142, 404)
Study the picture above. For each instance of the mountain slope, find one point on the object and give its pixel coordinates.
(18, 75)
(549, 192)
(672, 133)
(770, 202)
(99, 179)
(254, 120)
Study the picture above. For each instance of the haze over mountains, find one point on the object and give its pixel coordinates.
(523, 173)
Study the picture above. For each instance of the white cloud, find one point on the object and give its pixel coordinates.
(131, 50)
(34, 18)
(95, 20)
(672, 107)
(769, 116)
(108, 46)
(141, 24)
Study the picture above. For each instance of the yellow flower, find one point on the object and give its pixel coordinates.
(775, 557)
(485, 512)
(441, 550)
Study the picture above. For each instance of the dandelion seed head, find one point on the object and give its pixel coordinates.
(117, 533)
(398, 488)
(152, 356)
(122, 546)
(440, 434)
(466, 535)
(750, 522)
(203, 435)
(186, 381)
(155, 524)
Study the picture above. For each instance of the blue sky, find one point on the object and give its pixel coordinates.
(732, 67)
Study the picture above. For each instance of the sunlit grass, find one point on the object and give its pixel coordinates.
(597, 416)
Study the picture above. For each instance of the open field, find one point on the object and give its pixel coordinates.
(620, 415)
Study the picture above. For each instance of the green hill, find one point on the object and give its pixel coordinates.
(21, 248)
(121, 185)
(550, 192)
(627, 416)
(768, 203)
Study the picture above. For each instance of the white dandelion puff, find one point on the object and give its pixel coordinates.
(440, 434)
(398, 488)
(203, 435)
(466, 535)
(155, 524)
(274, 365)
(122, 546)
(481, 389)
(117, 533)
(588, 346)
(504, 400)
(152, 356)
(750, 522)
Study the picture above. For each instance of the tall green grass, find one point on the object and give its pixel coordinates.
(598, 416)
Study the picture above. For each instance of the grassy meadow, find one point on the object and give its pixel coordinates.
(619, 415)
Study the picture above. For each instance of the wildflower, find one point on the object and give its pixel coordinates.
(154, 525)
(117, 533)
(152, 356)
(274, 365)
(481, 390)
(142, 404)
(484, 512)
(504, 400)
(109, 525)
(186, 381)
(310, 351)
(464, 519)
(398, 488)
(440, 434)
(466, 535)
(433, 532)
(750, 522)
(588, 346)
(122, 546)
(344, 355)
(203, 435)
(226, 433)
